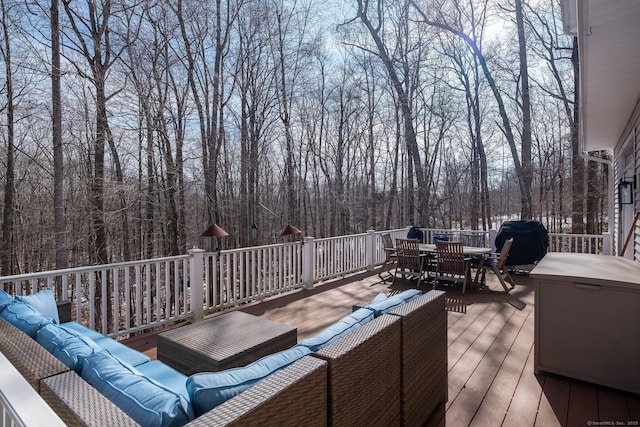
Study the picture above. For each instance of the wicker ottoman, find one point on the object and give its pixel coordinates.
(228, 341)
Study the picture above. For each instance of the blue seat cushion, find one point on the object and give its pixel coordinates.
(143, 399)
(66, 345)
(210, 389)
(165, 375)
(5, 300)
(338, 329)
(44, 302)
(24, 317)
(388, 304)
(117, 349)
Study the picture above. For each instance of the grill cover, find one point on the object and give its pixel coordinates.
(530, 241)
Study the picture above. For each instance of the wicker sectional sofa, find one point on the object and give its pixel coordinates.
(391, 370)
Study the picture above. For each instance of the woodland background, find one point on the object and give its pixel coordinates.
(129, 126)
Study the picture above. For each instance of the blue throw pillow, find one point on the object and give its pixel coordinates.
(210, 389)
(144, 400)
(44, 302)
(339, 329)
(66, 345)
(394, 301)
(5, 300)
(24, 317)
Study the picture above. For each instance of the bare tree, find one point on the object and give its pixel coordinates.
(91, 38)
(521, 173)
(375, 27)
(7, 253)
(58, 156)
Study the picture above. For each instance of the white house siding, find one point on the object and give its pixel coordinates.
(627, 163)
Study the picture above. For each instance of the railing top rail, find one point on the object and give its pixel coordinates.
(324, 239)
(580, 235)
(253, 248)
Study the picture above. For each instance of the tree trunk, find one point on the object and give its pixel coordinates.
(6, 266)
(506, 123)
(58, 163)
(405, 108)
(577, 169)
(525, 147)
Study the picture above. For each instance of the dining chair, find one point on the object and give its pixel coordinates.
(496, 262)
(410, 261)
(451, 262)
(390, 253)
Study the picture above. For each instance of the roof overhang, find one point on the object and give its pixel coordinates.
(608, 34)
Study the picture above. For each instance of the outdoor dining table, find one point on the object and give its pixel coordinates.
(481, 253)
(472, 251)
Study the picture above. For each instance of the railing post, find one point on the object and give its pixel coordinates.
(606, 244)
(308, 262)
(370, 249)
(196, 266)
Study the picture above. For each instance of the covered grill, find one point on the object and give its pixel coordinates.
(530, 241)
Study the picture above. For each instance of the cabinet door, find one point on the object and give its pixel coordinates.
(589, 332)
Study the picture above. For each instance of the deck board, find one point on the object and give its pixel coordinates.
(583, 404)
(495, 405)
(490, 355)
(554, 403)
(472, 374)
(612, 405)
(526, 399)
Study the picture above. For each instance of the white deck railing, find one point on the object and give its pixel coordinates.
(20, 404)
(124, 298)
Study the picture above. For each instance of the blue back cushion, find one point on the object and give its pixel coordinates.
(122, 352)
(392, 302)
(339, 329)
(24, 317)
(66, 345)
(379, 298)
(44, 302)
(83, 330)
(5, 300)
(144, 400)
(117, 349)
(210, 389)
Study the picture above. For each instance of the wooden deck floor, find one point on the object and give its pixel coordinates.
(490, 354)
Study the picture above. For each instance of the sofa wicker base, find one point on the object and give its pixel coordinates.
(77, 403)
(32, 360)
(423, 356)
(294, 396)
(364, 375)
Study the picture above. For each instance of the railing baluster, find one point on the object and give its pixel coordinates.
(138, 301)
(78, 297)
(92, 301)
(116, 300)
(127, 297)
(157, 294)
(103, 301)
